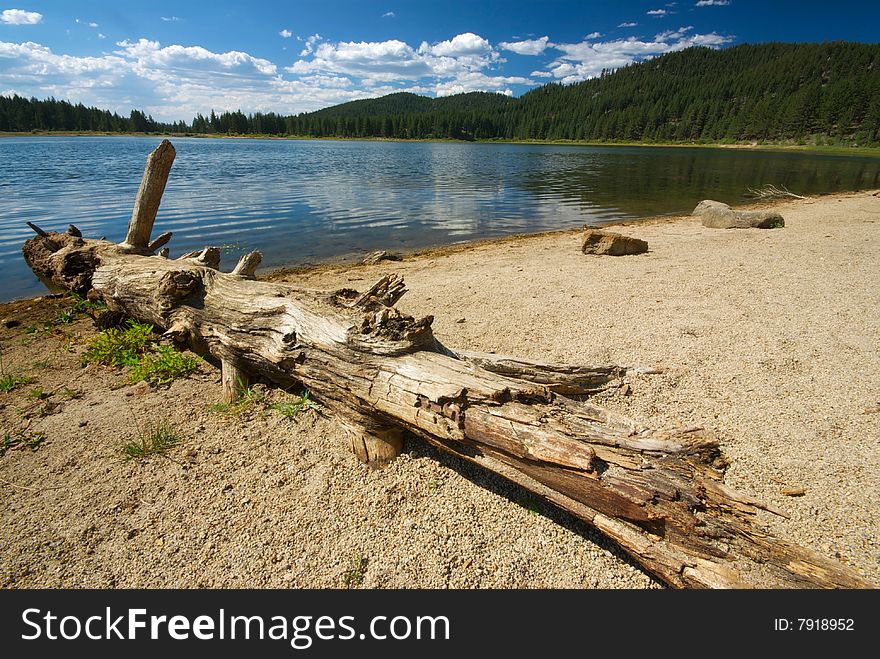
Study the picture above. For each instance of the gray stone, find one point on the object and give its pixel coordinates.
(708, 204)
(598, 241)
(716, 215)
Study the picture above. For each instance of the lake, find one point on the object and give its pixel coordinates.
(302, 202)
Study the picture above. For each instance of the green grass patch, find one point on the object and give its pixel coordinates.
(293, 407)
(155, 439)
(119, 346)
(38, 393)
(248, 399)
(162, 366)
(31, 440)
(80, 306)
(10, 381)
(134, 347)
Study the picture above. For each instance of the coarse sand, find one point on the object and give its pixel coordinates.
(769, 338)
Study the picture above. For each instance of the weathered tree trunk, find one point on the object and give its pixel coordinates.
(146, 204)
(658, 493)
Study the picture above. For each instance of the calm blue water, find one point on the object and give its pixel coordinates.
(302, 202)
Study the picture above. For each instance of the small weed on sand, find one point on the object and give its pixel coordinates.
(31, 440)
(9, 381)
(248, 399)
(292, 408)
(38, 393)
(153, 440)
(80, 306)
(355, 575)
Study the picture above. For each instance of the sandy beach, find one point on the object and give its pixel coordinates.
(768, 338)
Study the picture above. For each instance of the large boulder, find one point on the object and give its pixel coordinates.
(597, 241)
(717, 215)
(708, 204)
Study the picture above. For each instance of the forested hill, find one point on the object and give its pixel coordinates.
(771, 92)
(775, 92)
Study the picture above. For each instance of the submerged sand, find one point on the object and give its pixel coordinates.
(770, 338)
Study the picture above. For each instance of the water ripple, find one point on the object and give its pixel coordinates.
(302, 201)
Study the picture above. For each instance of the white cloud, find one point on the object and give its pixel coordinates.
(286, 34)
(657, 12)
(712, 3)
(526, 47)
(101, 35)
(460, 45)
(451, 62)
(20, 17)
(627, 25)
(584, 60)
(310, 44)
(171, 83)
(593, 35)
(171, 19)
(476, 81)
(177, 81)
(93, 25)
(666, 35)
(541, 74)
(388, 14)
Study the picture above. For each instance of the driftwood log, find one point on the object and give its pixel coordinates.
(659, 494)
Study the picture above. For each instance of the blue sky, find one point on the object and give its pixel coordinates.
(173, 59)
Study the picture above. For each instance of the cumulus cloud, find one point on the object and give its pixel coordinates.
(458, 63)
(526, 47)
(657, 12)
(171, 19)
(388, 14)
(712, 3)
(173, 82)
(20, 17)
(93, 24)
(584, 60)
(668, 35)
(310, 44)
(593, 35)
(466, 62)
(460, 45)
(286, 34)
(627, 25)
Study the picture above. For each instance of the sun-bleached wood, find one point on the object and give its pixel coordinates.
(149, 195)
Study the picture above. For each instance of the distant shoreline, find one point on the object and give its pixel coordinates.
(870, 151)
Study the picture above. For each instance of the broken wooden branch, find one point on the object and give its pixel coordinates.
(247, 265)
(37, 230)
(770, 191)
(149, 195)
(658, 493)
(161, 240)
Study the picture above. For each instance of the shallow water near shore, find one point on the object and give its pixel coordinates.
(302, 202)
